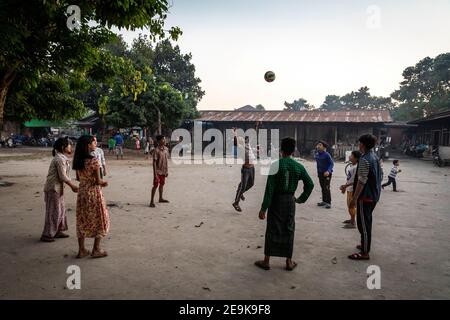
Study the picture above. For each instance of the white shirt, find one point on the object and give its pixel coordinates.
(100, 156)
(351, 176)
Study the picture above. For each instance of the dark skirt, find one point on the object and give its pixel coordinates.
(280, 226)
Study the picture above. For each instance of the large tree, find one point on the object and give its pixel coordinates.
(357, 100)
(298, 105)
(35, 38)
(425, 88)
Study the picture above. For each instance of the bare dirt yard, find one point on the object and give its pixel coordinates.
(199, 247)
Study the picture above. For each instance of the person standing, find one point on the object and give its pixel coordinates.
(92, 215)
(325, 166)
(119, 145)
(137, 143)
(367, 189)
(58, 175)
(100, 156)
(348, 187)
(247, 174)
(279, 198)
(111, 145)
(160, 169)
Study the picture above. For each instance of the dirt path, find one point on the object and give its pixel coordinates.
(198, 247)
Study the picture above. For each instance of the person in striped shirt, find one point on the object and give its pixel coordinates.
(393, 175)
(366, 193)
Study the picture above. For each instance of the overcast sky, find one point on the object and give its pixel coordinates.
(315, 47)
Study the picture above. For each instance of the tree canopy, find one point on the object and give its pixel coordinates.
(36, 44)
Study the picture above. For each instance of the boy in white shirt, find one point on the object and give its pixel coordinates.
(354, 158)
(393, 175)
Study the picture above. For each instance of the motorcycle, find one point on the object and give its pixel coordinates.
(436, 157)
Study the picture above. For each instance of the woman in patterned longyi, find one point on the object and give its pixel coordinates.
(92, 214)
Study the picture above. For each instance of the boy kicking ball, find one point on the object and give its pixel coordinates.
(160, 169)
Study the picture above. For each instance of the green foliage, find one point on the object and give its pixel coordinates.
(425, 88)
(298, 105)
(35, 40)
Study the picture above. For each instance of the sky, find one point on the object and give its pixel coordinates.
(315, 48)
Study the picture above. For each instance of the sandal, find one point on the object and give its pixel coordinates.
(47, 239)
(62, 235)
(262, 265)
(237, 207)
(294, 265)
(85, 254)
(100, 254)
(358, 256)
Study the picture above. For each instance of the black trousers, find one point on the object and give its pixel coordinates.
(325, 186)
(394, 183)
(364, 222)
(247, 181)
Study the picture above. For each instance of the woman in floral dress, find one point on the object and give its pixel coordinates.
(92, 214)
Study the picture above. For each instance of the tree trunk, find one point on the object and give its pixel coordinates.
(7, 77)
(159, 121)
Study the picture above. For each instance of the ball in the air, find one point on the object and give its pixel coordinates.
(269, 76)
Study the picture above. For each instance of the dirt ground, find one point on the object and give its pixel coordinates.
(167, 253)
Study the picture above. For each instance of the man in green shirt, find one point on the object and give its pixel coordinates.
(280, 200)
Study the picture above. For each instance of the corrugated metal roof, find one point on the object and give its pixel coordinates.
(436, 116)
(297, 116)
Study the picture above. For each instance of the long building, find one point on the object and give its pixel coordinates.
(338, 128)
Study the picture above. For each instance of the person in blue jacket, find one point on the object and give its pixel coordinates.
(325, 166)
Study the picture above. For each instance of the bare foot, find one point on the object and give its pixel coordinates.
(291, 265)
(262, 265)
(83, 253)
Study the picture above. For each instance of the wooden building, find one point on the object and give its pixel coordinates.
(433, 130)
(340, 129)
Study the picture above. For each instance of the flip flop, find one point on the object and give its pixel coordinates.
(260, 264)
(358, 256)
(62, 235)
(99, 255)
(294, 265)
(237, 207)
(83, 256)
(46, 239)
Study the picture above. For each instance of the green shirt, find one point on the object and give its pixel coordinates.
(285, 180)
(111, 143)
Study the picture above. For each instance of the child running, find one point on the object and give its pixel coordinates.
(354, 158)
(393, 175)
(160, 169)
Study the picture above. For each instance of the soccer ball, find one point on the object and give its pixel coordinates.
(269, 76)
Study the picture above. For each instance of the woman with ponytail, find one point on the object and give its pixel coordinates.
(58, 175)
(92, 214)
